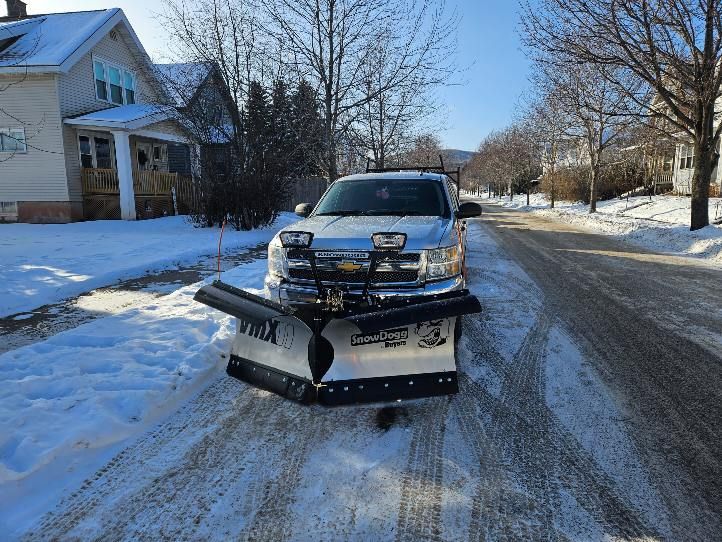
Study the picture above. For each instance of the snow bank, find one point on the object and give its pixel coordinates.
(45, 263)
(108, 379)
(660, 224)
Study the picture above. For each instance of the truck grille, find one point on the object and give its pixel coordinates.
(391, 267)
(355, 278)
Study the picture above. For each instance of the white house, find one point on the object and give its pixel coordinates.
(86, 128)
(683, 169)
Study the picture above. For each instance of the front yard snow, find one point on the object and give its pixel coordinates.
(101, 382)
(660, 224)
(45, 263)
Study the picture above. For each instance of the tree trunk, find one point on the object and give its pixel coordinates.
(552, 192)
(704, 158)
(593, 186)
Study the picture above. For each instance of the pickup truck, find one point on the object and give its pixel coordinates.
(363, 296)
(423, 208)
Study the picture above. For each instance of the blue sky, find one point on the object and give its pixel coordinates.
(488, 46)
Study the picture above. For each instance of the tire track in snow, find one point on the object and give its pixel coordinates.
(542, 456)
(197, 490)
(114, 476)
(421, 483)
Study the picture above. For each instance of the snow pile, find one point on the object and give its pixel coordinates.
(104, 381)
(660, 223)
(45, 263)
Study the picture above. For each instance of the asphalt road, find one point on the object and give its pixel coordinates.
(651, 325)
(589, 409)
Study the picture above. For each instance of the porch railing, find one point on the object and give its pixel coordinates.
(99, 181)
(154, 183)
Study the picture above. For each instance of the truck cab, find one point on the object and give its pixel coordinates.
(382, 234)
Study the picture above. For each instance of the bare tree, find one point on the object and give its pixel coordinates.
(675, 46)
(424, 151)
(548, 126)
(392, 116)
(599, 110)
(231, 120)
(334, 41)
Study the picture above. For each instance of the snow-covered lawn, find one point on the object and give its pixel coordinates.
(660, 224)
(104, 381)
(45, 263)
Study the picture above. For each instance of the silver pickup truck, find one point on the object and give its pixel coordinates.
(363, 296)
(421, 208)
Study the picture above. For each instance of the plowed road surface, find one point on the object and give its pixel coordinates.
(591, 392)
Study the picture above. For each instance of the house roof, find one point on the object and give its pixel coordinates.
(56, 41)
(184, 79)
(125, 117)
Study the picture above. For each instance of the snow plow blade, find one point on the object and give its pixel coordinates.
(271, 347)
(372, 354)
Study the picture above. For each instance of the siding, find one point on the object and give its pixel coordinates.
(38, 175)
(77, 87)
(166, 127)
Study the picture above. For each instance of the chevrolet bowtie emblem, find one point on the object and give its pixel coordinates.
(348, 267)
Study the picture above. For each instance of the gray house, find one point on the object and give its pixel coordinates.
(87, 129)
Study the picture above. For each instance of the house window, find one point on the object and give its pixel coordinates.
(101, 89)
(95, 152)
(113, 84)
(12, 140)
(8, 209)
(686, 157)
(129, 87)
(102, 153)
(86, 154)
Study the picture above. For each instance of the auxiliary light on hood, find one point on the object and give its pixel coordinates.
(389, 241)
(296, 239)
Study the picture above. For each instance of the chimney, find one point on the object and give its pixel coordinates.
(16, 9)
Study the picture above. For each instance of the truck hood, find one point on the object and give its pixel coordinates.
(354, 232)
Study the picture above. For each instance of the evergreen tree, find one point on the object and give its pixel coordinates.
(307, 131)
(281, 139)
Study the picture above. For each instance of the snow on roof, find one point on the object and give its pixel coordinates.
(47, 40)
(125, 116)
(184, 79)
(55, 41)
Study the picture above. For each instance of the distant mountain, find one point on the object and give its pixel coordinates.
(456, 157)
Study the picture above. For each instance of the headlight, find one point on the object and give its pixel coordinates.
(300, 239)
(443, 263)
(277, 266)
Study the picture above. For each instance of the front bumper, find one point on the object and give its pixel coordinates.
(288, 293)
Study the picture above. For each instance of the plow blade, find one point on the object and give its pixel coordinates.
(401, 351)
(412, 311)
(403, 362)
(271, 347)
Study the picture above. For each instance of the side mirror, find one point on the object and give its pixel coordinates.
(468, 210)
(303, 209)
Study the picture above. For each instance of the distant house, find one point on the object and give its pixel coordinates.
(206, 108)
(87, 130)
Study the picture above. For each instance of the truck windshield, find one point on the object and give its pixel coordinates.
(413, 197)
